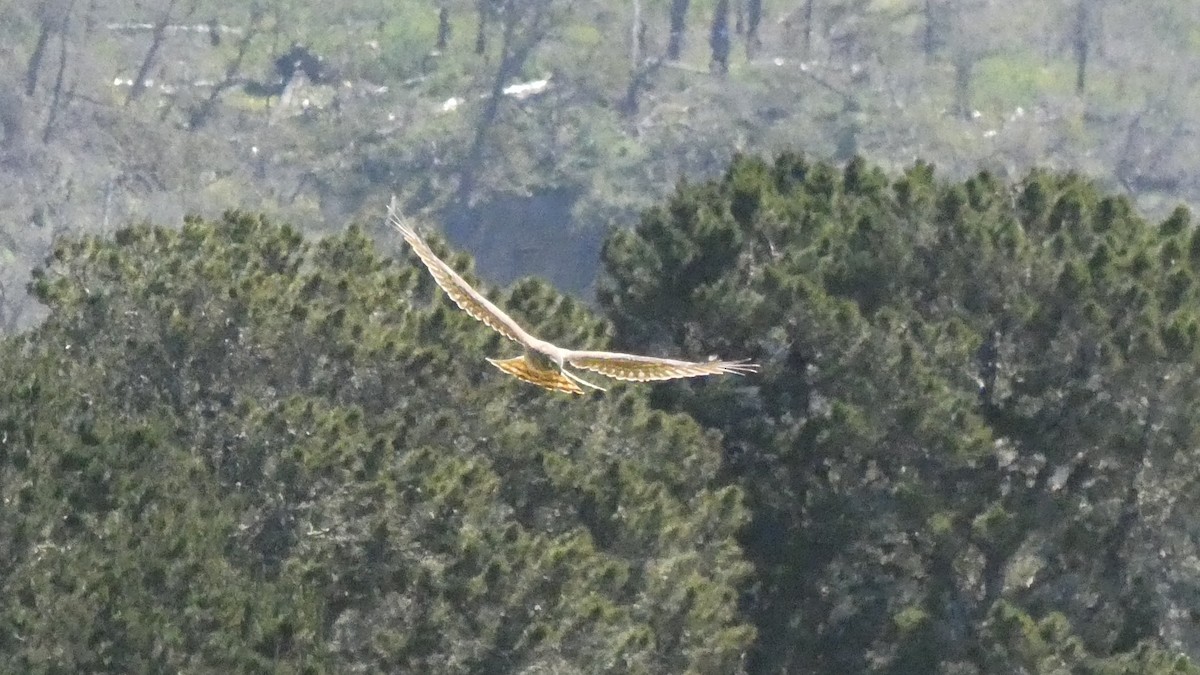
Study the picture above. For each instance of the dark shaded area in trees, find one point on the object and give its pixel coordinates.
(523, 230)
(300, 58)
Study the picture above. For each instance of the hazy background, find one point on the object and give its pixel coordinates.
(237, 445)
(119, 111)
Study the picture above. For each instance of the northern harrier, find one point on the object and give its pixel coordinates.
(544, 364)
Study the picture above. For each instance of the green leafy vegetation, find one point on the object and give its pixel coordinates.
(971, 448)
(972, 444)
(229, 449)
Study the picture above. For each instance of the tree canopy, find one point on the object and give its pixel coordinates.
(231, 449)
(971, 449)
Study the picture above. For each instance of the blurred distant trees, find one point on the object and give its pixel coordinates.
(1101, 88)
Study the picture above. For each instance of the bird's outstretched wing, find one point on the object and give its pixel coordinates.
(630, 367)
(470, 300)
(637, 368)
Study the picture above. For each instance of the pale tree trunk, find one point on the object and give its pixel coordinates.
(635, 36)
(928, 43)
(443, 33)
(964, 65)
(637, 69)
(808, 27)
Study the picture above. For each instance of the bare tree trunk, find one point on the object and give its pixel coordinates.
(518, 43)
(1126, 170)
(443, 34)
(679, 10)
(35, 59)
(481, 33)
(808, 27)
(14, 121)
(635, 36)
(928, 44)
(1081, 45)
(200, 116)
(160, 31)
(753, 21)
(89, 18)
(56, 99)
(639, 72)
(719, 39)
(963, 67)
(632, 102)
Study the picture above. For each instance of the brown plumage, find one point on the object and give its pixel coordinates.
(543, 363)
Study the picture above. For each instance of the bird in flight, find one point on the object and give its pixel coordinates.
(543, 363)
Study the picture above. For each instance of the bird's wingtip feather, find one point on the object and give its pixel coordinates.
(744, 366)
(393, 212)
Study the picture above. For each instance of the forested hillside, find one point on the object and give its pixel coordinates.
(973, 444)
(230, 450)
(972, 448)
(528, 128)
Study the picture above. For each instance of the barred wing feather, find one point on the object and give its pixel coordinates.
(551, 374)
(635, 368)
(463, 295)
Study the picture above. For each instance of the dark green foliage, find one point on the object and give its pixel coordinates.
(232, 450)
(971, 448)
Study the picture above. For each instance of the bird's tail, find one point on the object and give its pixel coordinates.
(521, 369)
(582, 381)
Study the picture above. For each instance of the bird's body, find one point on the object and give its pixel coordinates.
(544, 363)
